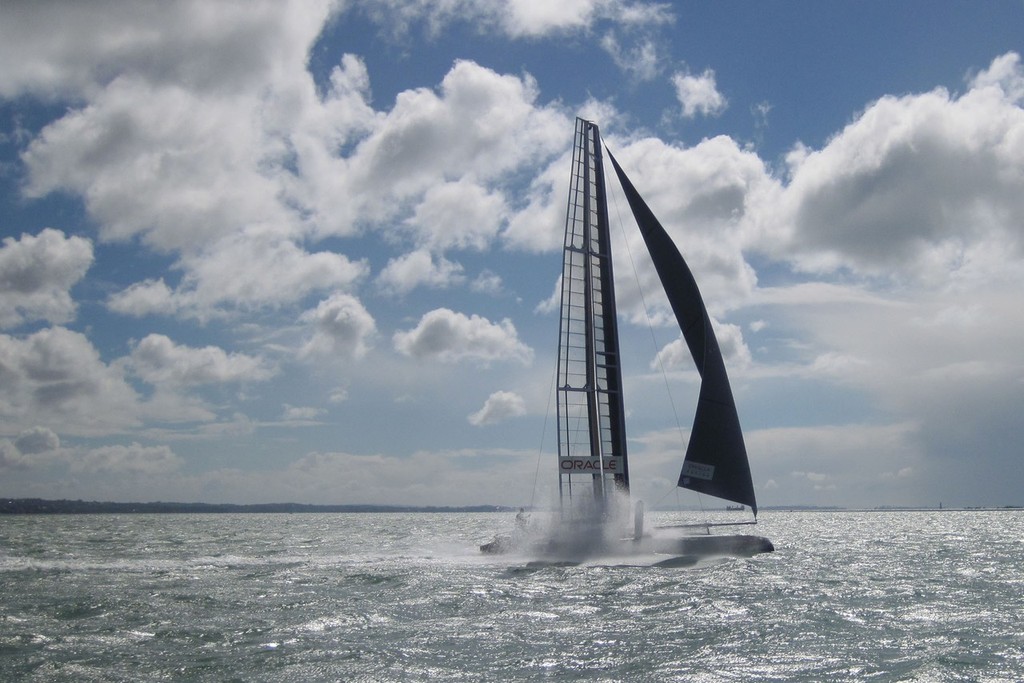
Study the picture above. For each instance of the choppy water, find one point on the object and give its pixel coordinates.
(873, 596)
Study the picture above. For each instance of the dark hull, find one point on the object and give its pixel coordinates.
(691, 547)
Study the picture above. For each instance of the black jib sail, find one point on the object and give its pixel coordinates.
(716, 457)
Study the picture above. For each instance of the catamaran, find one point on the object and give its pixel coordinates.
(593, 466)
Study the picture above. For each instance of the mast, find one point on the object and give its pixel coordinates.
(591, 423)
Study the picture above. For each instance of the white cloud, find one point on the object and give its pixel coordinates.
(1005, 74)
(157, 360)
(192, 160)
(247, 270)
(499, 406)
(552, 303)
(131, 460)
(640, 61)
(434, 162)
(233, 169)
(418, 268)
(341, 326)
(10, 457)
(170, 404)
(676, 354)
(37, 440)
(922, 191)
(487, 282)
(451, 337)
(918, 187)
(343, 116)
(177, 167)
(303, 414)
(699, 94)
(516, 18)
(536, 226)
(144, 298)
(37, 274)
(536, 17)
(704, 197)
(75, 49)
(480, 124)
(55, 379)
(32, 447)
(254, 268)
(457, 215)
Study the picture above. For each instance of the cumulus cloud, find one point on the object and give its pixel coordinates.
(247, 270)
(458, 215)
(516, 18)
(157, 359)
(419, 268)
(530, 227)
(676, 354)
(52, 49)
(235, 181)
(922, 190)
(918, 184)
(535, 17)
(1005, 75)
(341, 327)
(254, 268)
(234, 170)
(56, 377)
(479, 124)
(26, 449)
(451, 337)
(191, 160)
(301, 414)
(705, 197)
(499, 406)
(699, 94)
(37, 273)
(151, 296)
(174, 166)
(641, 61)
(10, 457)
(131, 460)
(37, 440)
(487, 282)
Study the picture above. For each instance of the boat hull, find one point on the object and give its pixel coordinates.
(736, 545)
(695, 547)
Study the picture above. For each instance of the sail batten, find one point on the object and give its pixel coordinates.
(716, 456)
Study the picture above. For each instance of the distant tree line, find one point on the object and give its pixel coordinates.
(39, 506)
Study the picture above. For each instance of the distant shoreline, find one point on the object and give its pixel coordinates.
(40, 506)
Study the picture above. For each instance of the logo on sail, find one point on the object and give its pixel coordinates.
(698, 470)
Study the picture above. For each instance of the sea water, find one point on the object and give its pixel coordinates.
(847, 596)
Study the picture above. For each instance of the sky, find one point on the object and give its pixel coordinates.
(306, 251)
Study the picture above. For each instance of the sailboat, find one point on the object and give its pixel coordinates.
(592, 463)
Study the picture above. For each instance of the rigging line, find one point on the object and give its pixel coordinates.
(543, 435)
(654, 340)
(647, 315)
